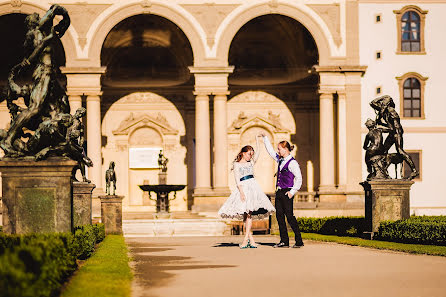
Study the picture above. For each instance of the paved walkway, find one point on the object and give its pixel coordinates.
(215, 266)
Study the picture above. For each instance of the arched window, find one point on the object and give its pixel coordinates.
(412, 98)
(410, 32)
(410, 22)
(412, 95)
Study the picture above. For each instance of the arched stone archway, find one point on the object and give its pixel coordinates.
(136, 127)
(308, 19)
(101, 29)
(29, 8)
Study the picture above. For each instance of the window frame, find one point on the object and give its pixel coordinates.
(422, 80)
(420, 163)
(399, 16)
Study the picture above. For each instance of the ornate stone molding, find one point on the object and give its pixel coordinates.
(243, 122)
(331, 15)
(158, 122)
(210, 16)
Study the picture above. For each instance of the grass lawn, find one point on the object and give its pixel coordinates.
(385, 245)
(106, 273)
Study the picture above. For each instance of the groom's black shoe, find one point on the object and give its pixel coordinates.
(281, 245)
(297, 245)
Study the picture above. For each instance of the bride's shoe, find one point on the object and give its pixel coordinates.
(253, 246)
(247, 245)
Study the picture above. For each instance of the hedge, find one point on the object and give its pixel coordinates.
(420, 230)
(38, 264)
(340, 226)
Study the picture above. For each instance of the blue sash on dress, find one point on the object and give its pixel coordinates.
(247, 177)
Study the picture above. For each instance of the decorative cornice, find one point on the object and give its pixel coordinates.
(341, 68)
(83, 70)
(211, 70)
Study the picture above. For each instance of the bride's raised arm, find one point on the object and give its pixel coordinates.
(256, 150)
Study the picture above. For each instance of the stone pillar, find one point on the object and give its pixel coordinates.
(75, 102)
(387, 199)
(94, 139)
(326, 134)
(82, 203)
(310, 180)
(220, 143)
(202, 143)
(342, 141)
(37, 195)
(111, 213)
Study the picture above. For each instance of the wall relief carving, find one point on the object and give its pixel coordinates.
(142, 98)
(243, 122)
(157, 122)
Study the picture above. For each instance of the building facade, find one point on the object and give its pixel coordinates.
(200, 79)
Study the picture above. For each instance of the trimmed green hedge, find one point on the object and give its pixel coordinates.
(420, 230)
(340, 226)
(38, 264)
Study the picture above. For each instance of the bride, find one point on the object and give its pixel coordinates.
(247, 201)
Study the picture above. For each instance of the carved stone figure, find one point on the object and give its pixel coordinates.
(45, 99)
(377, 157)
(75, 144)
(110, 177)
(162, 162)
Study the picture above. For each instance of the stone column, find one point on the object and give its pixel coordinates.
(202, 143)
(220, 143)
(310, 180)
(75, 102)
(94, 140)
(326, 134)
(342, 141)
(111, 213)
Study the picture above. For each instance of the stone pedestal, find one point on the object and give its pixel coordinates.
(82, 203)
(386, 199)
(111, 213)
(162, 178)
(37, 196)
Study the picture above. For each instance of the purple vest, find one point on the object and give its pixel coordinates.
(285, 178)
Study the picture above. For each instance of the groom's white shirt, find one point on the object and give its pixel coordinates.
(293, 166)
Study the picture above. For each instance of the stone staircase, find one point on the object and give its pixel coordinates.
(145, 224)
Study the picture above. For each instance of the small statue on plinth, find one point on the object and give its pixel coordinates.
(162, 162)
(110, 177)
(378, 158)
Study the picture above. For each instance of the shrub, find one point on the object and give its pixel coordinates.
(340, 226)
(421, 230)
(38, 264)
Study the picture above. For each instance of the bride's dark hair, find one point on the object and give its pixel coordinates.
(244, 149)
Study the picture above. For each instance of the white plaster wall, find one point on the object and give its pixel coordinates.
(428, 193)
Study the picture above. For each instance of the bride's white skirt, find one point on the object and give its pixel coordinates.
(256, 202)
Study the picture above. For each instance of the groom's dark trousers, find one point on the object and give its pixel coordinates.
(284, 207)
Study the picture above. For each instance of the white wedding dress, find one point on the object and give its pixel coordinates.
(255, 202)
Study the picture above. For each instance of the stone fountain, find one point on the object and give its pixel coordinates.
(162, 190)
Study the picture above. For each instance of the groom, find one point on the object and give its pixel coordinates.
(289, 181)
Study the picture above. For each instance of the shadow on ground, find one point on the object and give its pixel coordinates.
(154, 271)
(232, 244)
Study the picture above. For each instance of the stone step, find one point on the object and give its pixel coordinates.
(175, 227)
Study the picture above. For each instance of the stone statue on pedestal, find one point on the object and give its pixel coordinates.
(110, 177)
